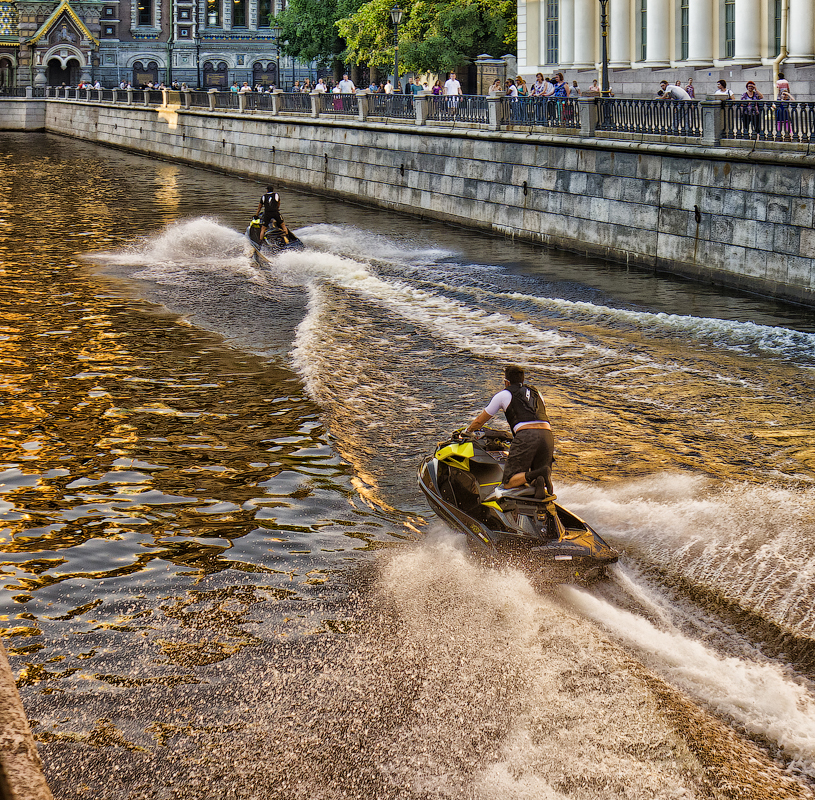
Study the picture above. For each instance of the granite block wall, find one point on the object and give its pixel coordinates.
(724, 216)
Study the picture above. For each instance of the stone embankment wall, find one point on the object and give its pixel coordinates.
(729, 216)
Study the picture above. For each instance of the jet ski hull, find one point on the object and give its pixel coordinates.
(275, 241)
(538, 536)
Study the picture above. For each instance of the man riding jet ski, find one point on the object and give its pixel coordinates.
(267, 231)
(462, 484)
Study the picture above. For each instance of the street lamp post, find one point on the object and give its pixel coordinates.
(396, 17)
(198, 57)
(605, 89)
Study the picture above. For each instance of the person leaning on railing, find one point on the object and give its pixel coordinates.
(751, 112)
(782, 116)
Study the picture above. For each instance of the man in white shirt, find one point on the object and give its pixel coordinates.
(452, 88)
(320, 87)
(346, 85)
(670, 92)
(533, 445)
(389, 87)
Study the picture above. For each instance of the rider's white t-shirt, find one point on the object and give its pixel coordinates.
(500, 402)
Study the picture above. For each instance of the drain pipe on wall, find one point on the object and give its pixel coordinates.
(21, 775)
(782, 54)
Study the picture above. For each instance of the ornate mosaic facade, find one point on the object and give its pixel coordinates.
(207, 43)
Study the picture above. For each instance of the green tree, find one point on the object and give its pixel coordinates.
(309, 31)
(435, 35)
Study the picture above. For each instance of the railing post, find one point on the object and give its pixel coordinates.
(712, 122)
(588, 116)
(241, 102)
(129, 96)
(495, 105)
(276, 102)
(421, 106)
(362, 104)
(211, 93)
(164, 102)
(146, 93)
(29, 92)
(315, 103)
(186, 94)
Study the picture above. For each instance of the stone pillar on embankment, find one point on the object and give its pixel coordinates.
(20, 768)
(710, 210)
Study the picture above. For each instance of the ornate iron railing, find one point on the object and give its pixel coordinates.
(256, 101)
(769, 120)
(295, 101)
(464, 108)
(226, 99)
(337, 103)
(395, 106)
(658, 117)
(551, 112)
(199, 99)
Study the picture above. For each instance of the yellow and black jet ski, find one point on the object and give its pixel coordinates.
(275, 240)
(462, 484)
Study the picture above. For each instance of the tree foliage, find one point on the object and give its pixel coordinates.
(309, 31)
(434, 36)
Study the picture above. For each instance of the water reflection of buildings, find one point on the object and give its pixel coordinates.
(199, 42)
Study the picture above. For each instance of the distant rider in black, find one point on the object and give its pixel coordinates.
(533, 445)
(270, 205)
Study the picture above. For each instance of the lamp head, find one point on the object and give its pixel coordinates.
(396, 14)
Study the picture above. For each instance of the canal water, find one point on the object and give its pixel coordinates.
(219, 579)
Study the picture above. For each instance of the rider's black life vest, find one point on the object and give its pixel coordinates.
(271, 201)
(527, 405)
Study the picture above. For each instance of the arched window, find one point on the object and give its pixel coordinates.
(6, 72)
(238, 13)
(145, 8)
(142, 75)
(265, 14)
(215, 75)
(213, 13)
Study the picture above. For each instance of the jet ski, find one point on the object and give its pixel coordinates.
(462, 484)
(275, 240)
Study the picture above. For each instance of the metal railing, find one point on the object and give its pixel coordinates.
(295, 101)
(395, 106)
(199, 99)
(658, 117)
(552, 112)
(465, 108)
(769, 120)
(255, 101)
(337, 103)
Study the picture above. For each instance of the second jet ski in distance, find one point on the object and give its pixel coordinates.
(462, 484)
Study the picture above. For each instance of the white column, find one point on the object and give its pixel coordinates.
(700, 32)
(801, 36)
(566, 33)
(658, 50)
(619, 33)
(748, 32)
(585, 12)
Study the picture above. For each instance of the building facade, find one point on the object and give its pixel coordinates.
(652, 40)
(203, 43)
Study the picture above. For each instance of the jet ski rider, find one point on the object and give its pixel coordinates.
(533, 446)
(270, 205)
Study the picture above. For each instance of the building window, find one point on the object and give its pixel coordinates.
(183, 13)
(729, 28)
(110, 30)
(265, 14)
(183, 33)
(108, 11)
(238, 13)
(552, 55)
(684, 13)
(213, 13)
(643, 30)
(777, 28)
(145, 12)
